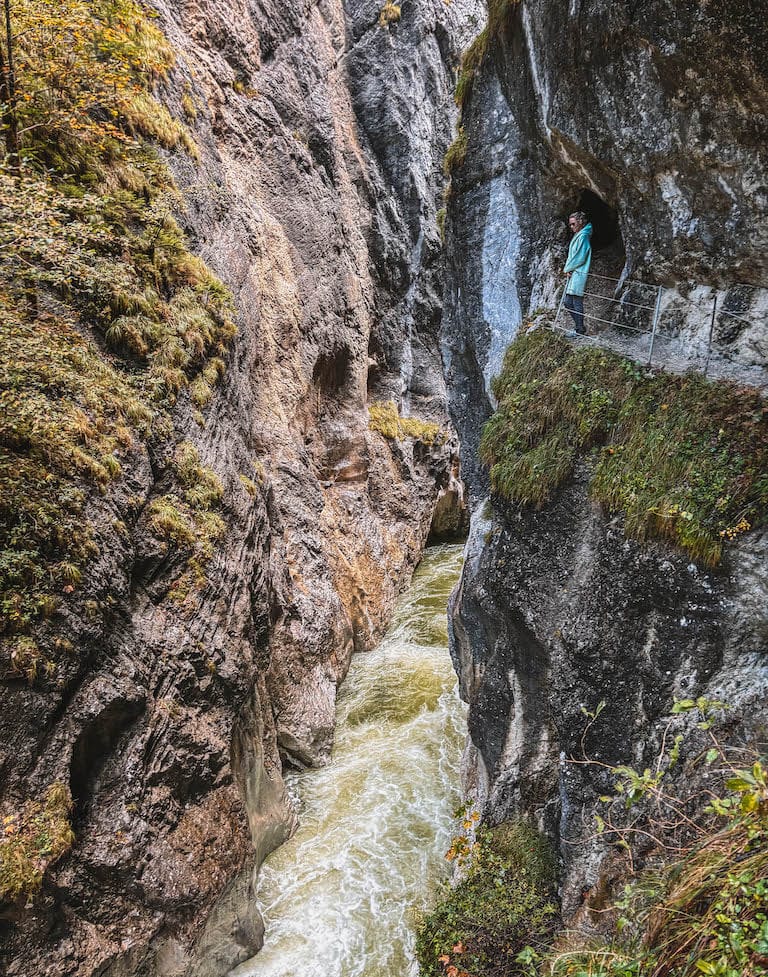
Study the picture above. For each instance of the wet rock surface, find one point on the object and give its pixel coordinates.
(320, 135)
(557, 612)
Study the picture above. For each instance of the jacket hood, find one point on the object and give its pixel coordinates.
(587, 230)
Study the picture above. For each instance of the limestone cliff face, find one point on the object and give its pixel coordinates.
(321, 135)
(647, 115)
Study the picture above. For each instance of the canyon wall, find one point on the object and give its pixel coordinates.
(648, 116)
(320, 134)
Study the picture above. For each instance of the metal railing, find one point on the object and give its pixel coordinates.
(623, 296)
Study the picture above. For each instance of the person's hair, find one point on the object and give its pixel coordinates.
(580, 215)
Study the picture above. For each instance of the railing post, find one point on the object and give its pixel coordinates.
(711, 331)
(656, 314)
(560, 305)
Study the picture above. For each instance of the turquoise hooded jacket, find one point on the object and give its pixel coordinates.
(579, 258)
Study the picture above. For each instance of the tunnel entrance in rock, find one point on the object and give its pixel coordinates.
(606, 235)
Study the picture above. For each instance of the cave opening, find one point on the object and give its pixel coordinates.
(331, 371)
(606, 235)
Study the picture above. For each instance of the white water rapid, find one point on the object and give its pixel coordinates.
(340, 899)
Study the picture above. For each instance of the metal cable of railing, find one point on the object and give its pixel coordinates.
(738, 316)
(689, 354)
(622, 301)
(616, 325)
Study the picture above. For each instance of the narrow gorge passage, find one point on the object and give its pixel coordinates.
(341, 897)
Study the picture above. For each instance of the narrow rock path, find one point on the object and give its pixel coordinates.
(673, 355)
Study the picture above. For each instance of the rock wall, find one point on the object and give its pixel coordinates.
(649, 117)
(646, 114)
(320, 136)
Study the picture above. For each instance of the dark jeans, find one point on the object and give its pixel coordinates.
(575, 305)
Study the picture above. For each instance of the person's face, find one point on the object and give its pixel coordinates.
(575, 224)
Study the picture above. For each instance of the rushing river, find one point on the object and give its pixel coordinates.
(340, 899)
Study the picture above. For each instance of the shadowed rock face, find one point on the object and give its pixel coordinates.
(557, 612)
(321, 136)
(655, 109)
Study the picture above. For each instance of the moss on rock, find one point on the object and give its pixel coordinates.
(681, 457)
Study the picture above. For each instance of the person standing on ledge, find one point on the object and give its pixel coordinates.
(577, 267)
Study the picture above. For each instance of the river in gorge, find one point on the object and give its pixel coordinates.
(342, 897)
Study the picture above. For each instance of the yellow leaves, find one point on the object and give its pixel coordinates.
(731, 532)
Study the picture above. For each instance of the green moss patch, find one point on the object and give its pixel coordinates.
(105, 314)
(499, 14)
(32, 840)
(384, 418)
(457, 152)
(682, 458)
(503, 903)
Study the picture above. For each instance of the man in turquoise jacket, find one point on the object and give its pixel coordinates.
(577, 267)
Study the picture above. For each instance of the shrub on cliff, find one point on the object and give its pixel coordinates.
(681, 457)
(703, 910)
(504, 901)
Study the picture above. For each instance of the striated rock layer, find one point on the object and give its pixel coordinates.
(321, 135)
(648, 116)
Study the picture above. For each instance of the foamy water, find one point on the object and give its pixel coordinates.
(340, 899)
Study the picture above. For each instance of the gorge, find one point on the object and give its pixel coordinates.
(250, 329)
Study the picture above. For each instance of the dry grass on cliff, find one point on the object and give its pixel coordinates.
(384, 418)
(32, 840)
(390, 13)
(682, 458)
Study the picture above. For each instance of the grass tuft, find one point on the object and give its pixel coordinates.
(390, 13)
(32, 840)
(384, 418)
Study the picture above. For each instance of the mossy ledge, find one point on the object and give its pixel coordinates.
(384, 418)
(681, 457)
(503, 902)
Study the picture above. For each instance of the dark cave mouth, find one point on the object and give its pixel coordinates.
(606, 234)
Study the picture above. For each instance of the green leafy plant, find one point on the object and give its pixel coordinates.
(503, 900)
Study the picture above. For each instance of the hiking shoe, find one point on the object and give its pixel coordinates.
(571, 334)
